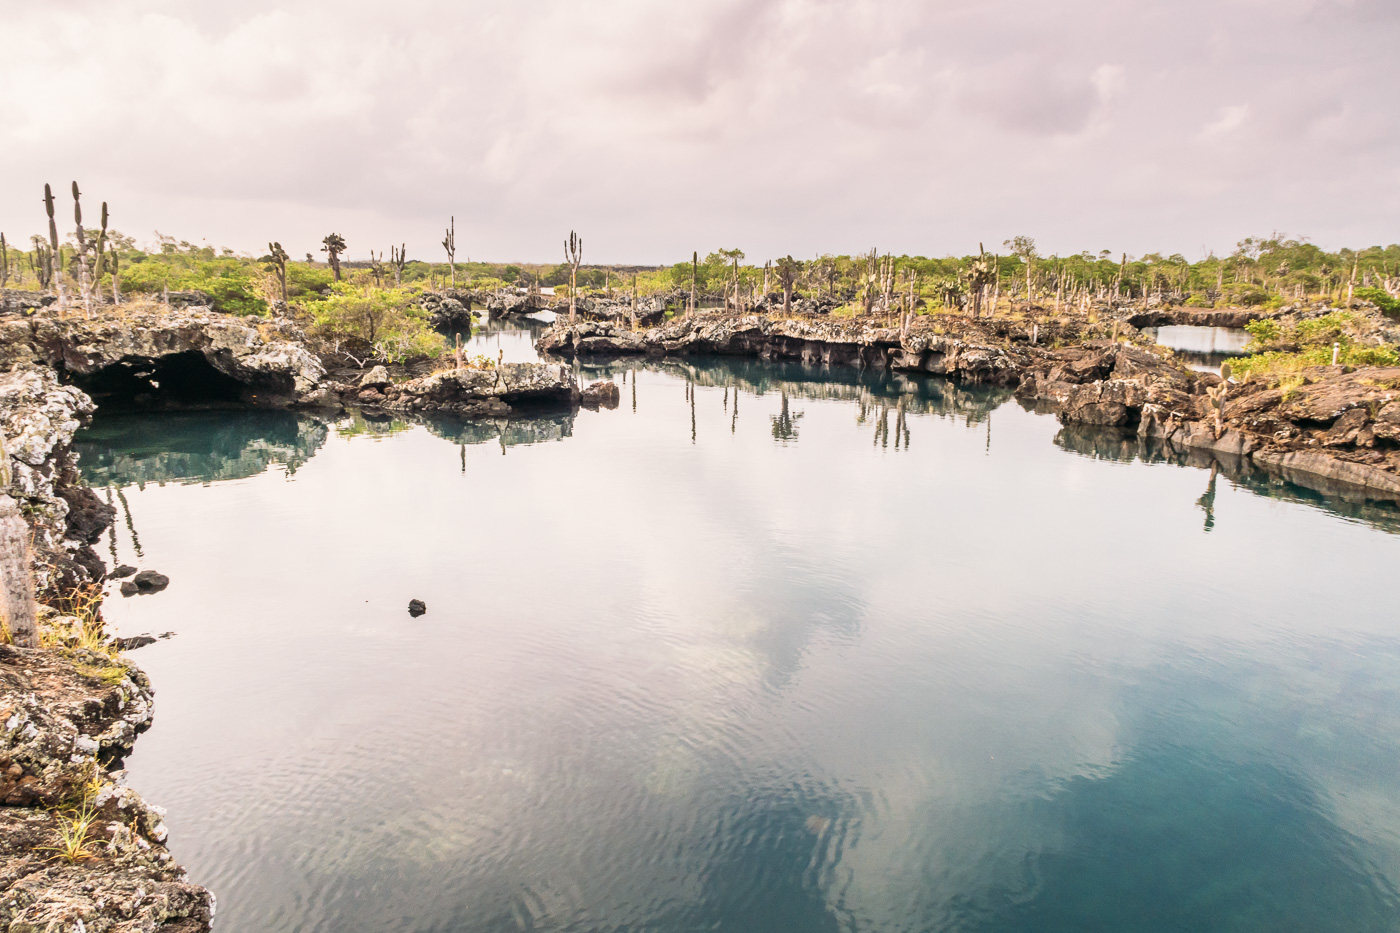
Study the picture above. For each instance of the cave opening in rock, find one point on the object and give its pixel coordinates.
(180, 380)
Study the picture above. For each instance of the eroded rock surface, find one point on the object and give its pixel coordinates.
(507, 388)
(66, 718)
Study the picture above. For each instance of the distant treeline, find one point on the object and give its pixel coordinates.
(1265, 271)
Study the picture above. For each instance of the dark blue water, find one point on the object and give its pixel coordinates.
(865, 655)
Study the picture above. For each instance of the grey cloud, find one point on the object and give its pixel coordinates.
(657, 128)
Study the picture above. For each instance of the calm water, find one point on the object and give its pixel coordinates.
(1202, 348)
(833, 662)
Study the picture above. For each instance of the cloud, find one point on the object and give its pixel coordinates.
(780, 126)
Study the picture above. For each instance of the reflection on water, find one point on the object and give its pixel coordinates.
(122, 449)
(1202, 348)
(765, 648)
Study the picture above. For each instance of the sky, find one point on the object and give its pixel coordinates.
(657, 128)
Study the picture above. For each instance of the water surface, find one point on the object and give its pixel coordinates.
(765, 648)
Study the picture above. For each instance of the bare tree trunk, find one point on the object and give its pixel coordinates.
(16, 584)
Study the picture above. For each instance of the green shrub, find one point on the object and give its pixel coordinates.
(1381, 299)
(388, 321)
(1199, 301)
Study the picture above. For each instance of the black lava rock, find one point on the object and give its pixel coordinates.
(148, 581)
(416, 607)
(125, 570)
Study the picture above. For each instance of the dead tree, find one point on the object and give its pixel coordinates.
(573, 255)
(4, 261)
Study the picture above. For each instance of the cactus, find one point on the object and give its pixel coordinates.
(573, 255)
(4, 261)
(787, 269)
(333, 245)
(1217, 395)
(91, 252)
(397, 259)
(978, 277)
(694, 271)
(55, 257)
(116, 275)
(279, 259)
(449, 243)
(376, 267)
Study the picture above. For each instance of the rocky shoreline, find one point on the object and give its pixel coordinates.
(1339, 425)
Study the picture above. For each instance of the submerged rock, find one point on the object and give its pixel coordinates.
(125, 570)
(416, 607)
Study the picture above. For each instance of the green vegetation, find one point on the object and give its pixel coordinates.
(386, 323)
(1278, 350)
(1261, 272)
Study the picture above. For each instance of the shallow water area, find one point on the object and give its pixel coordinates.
(765, 648)
(1202, 348)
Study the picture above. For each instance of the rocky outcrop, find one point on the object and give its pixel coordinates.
(513, 301)
(863, 345)
(67, 716)
(1347, 423)
(38, 418)
(501, 390)
(214, 357)
(602, 394)
(1196, 317)
(650, 310)
(20, 301)
(449, 310)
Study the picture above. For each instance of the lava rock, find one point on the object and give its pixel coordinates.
(148, 581)
(134, 642)
(376, 378)
(125, 570)
(416, 607)
(129, 589)
(604, 394)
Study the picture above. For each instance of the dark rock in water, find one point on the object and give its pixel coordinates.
(416, 607)
(148, 581)
(129, 589)
(134, 642)
(605, 394)
(125, 570)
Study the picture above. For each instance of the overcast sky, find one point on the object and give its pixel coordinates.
(656, 128)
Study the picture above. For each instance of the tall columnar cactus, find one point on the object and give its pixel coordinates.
(91, 251)
(573, 255)
(279, 260)
(449, 243)
(55, 262)
(4, 262)
(116, 274)
(397, 259)
(694, 273)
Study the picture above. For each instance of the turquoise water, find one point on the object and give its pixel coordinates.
(836, 661)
